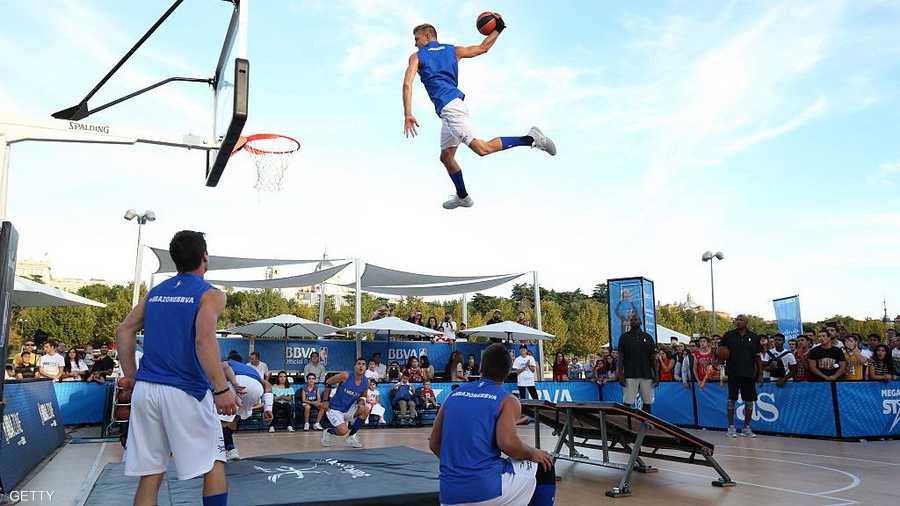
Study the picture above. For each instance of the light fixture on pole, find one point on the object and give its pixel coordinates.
(709, 256)
(142, 219)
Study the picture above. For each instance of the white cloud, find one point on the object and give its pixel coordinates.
(887, 174)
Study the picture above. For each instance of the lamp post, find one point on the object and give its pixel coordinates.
(709, 256)
(142, 219)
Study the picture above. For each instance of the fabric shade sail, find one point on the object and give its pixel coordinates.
(310, 279)
(219, 263)
(449, 289)
(386, 281)
(27, 293)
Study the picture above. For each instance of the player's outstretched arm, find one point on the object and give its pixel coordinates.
(409, 121)
(486, 44)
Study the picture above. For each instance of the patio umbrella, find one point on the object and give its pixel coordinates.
(511, 331)
(390, 325)
(27, 293)
(284, 325)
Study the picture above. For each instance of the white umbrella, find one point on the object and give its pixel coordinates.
(27, 293)
(392, 325)
(284, 325)
(509, 330)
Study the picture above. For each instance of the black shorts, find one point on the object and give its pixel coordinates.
(746, 387)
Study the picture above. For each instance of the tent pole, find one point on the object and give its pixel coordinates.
(538, 325)
(358, 306)
(465, 309)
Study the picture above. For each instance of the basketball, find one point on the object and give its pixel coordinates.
(124, 397)
(122, 413)
(723, 353)
(486, 23)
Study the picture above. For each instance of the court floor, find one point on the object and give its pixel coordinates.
(769, 470)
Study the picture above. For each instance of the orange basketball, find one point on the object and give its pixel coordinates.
(122, 413)
(723, 353)
(486, 23)
(124, 397)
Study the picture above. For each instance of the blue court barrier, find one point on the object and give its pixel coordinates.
(869, 409)
(31, 429)
(673, 402)
(82, 402)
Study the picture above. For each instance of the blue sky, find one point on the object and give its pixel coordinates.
(767, 130)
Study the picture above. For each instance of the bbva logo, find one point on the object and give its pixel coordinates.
(394, 354)
(763, 409)
(302, 352)
(559, 395)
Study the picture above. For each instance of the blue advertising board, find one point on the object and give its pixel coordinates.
(82, 402)
(630, 296)
(869, 408)
(796, 408)
(787, 312)
(673, 402)
(240, 345)
(31, 429)
(649, 303)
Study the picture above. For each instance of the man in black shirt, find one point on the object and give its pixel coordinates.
(744, 370)
(636, 367)
(103, 366)
(826, 361)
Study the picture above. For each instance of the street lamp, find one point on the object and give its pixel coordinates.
(709, 256)
(142, 219)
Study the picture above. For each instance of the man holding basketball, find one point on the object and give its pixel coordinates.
(438, 67)
(744, 369)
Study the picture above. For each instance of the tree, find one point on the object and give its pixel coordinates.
(601, 293)
(553, 322)
(588, 330)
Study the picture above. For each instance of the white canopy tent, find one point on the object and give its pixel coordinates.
(391, 325)
(664, 335)
(284, 325)
(511, 331)
(27, 293)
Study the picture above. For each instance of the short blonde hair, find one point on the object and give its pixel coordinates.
(425, 27)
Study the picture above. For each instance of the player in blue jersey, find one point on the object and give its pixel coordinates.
(347, 407)
(181, 385)
(251, 388)
(475, 424)
(438, 67)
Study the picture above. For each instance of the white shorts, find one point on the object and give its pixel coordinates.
(455, 127)
(338, 417)
(167, 423)
(633, 386)
(253, 391)
(516, 489)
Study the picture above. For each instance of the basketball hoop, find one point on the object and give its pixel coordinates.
(272, 154)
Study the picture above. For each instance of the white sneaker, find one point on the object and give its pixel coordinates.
(455, 202)
(747, 432)
(326, 438)
(306, 426)
(233, 454)
(541, 141)
(271, 429)
(732, 433)
(290, 429)
(354, 441)
(317, 426)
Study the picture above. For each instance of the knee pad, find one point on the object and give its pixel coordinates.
(545, 489)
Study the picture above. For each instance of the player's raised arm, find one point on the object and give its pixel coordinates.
(486, 44)
(409, 121)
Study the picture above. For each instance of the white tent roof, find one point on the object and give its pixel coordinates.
(284, 325)
(216, 263)
(663, 335)
(27, 293)
(509, 330)
(392, 325)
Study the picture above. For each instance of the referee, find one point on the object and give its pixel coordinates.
(744, 371)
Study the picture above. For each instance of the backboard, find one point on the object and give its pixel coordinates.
(230, 93)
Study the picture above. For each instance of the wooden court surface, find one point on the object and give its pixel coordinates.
(769, 470)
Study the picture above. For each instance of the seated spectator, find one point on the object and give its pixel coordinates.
(665, 364)
(856, 360)
(560, 367)
(826, 361)
(379, 367)
(103, 366)
(51, 363)
(284, 397)
(427, 368)
(261, 367)
(414, 373)
(882, 367)
(454, 370)
(403, 400)
(394, 371)
(9, 373)
(782, 362)
(600, 370)
(315, 367)
(372, 371)
(310, 398)
(429, 400)
(75, 368)
(470, 370)
(25, 365)
(373, 399)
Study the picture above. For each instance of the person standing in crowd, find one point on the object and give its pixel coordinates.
(802, 356)
(525, 368)
(882, 368)
(284, 397)
(576, 368)
(679, 361)
(764, 358)
(826, 361)
(27, 358)
(521, 319)
(261, 367)
(856, 360)
(314, 366)
(433, 323)
(782, 362)
(75, 368)
(560, 367)
(448, 327)
(744, 370)
(665, 364)
(415, 317)
(688, 364)
(895, 353)
(51, 364)
(24, 365)
(703, 360)
(637, 372)
(9, 373)
(104, 365)
(874, 341)
(495, 318)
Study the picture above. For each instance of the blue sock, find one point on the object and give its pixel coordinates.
(545, 490)
(357, 423)
(459, 184)
(215, 500)
(511, 142)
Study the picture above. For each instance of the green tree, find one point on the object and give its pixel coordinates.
(588, 329)
(553, 322)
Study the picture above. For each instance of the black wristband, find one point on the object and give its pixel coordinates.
(220, 392)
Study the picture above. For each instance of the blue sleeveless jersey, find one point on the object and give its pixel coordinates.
(312, 395)
(348, 393)
(170, 335)
(471, 466)
(439, 69)
(244, 370)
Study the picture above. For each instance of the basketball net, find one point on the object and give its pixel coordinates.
(272, 154)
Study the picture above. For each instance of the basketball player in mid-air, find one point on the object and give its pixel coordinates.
(438, 66)
(347, 408)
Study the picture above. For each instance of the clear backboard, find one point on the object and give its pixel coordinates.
(230, 93)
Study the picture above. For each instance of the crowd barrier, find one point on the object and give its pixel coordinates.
(837, 410)
(31, 429)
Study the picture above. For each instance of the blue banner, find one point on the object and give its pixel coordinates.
(649, 302)
(869, 408)
(240, 345)
(81, 402)
(787, 312)
(31, 429)
(673, 402)
(627, 297)
(796, 408)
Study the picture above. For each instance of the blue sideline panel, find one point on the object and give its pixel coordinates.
(673, 402)
(81, 402)
(31, 429)
(869, 408)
